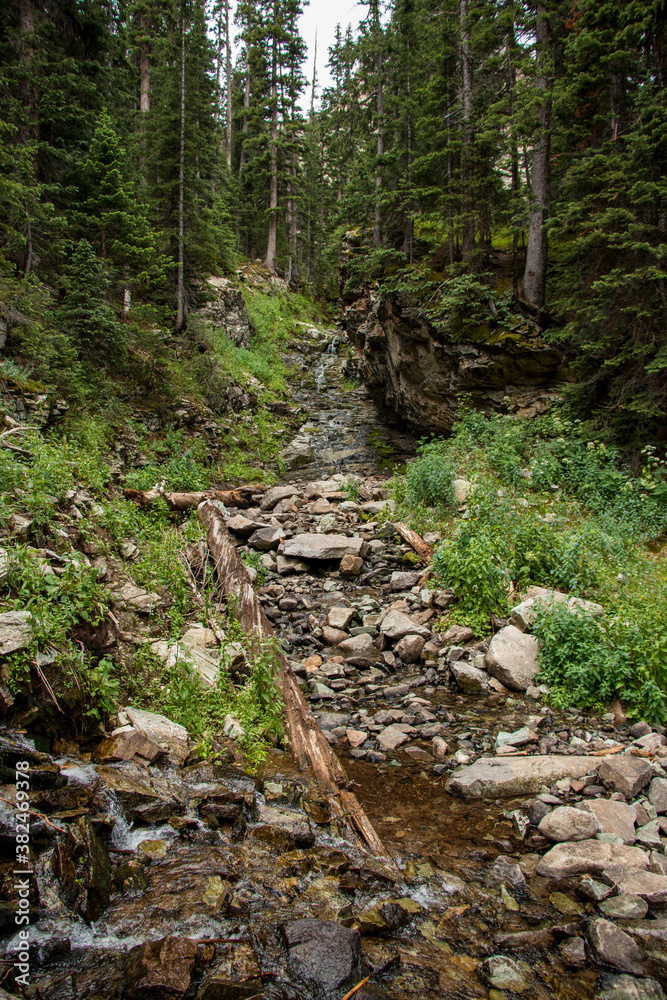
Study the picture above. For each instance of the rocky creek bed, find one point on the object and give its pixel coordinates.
(529, 844)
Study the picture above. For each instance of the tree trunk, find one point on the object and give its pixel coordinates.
(27, 128)
(270, 260)
(377, 228)
(514, 158)
(307, 741)
(244, 129)
(468, 226)
(180, 291)
(144, 68)
(228, 96)
(535, 273)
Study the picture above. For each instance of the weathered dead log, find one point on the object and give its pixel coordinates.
(239, 496)
(415, 541)
(306, 739)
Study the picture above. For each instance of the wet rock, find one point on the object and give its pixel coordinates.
(235, 976)
(391, 739)
(319, 547)
(629, 988)
(624, 907)
(469, 678)
(323, 956)
(505, 973)
(152, 850)
(657, 794)
(614, 947)
(265, 539)
(625, 774)
(649, 885)
(573, 952)
(505, 871)
(143, 798)
(409, 648)
(135, 599)
(595, 891)
(512, 658)
(15, 631)
(614, 817)
(126, 743)
(395, 625)
(589, 857)
(82, 868)
(565, 824)
(492, 777)
(167, 734)
(160, 970)
(283, 828)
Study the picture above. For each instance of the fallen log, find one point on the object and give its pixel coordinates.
(238, 496)
(415, 541)
(306, 739)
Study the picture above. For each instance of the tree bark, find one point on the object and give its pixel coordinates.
(535, 274)
(270, 260)
(307, 741)
(239, 496)
(180, 291)
(144, 68)
(377, 228)
(468, 226)
(244, 128)
(228, 101)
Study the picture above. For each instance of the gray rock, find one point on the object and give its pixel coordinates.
(589, 857)
(573, 952)
(565, 824)
(288, 564)
(512, 658)
(496, 777)
(649, 885)
(625, 907)
(524, 614)
(376, 506)
(167, 734)
(629, 988)
(505, 871)
(626, 774)
(614, 947)
(324, 546)
(331, 720)
(409, 648)
(469, 678)
(648, 835)
(205, 662)
(340, 617)
(283, 826)
(657, 794)
(265, 539)
(358, 645)
(461, 489)
(519, 738)
(14, 631)
(135, 599)
(395, 625)
(391, 738)
(323, 955)
(503, 973)
(275, 495)
(595, 891)
(404, 581)
(614, 817)
(241, 525)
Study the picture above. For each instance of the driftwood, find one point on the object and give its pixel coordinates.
(416, 541)
(238, 496)
(307, 740)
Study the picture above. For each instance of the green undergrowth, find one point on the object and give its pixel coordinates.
(549, 508)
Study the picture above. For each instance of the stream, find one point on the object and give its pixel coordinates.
(173, 877)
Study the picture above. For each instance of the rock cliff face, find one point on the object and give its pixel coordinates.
(226, 311)
(414, 372)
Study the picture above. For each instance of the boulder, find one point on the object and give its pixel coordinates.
(395, 625)
(525, 613)
(648, 885)
(14, 631)
(340, 618)
(358, 645)
(505, 973)
(589, 857)
(203, 661)
(461, 490)
(333, 636)
(469, 678)
(404, 581)
(167, 734)
(614, 947)
(625, 907)
(265, 539)
(626, 774)
(275, 495)
(613, 817)
(657, 794)
(629, 988)
(324, 546)
(241, 525)
(135, 599)
(493, 777)
(323, 955)
(160, 969)
(512, 658)
(391, 738)
(565, 823)
(351, 565)
(409, 648)
(287, 564)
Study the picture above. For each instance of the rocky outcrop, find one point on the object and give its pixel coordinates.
(416, 372)
(226, 310)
